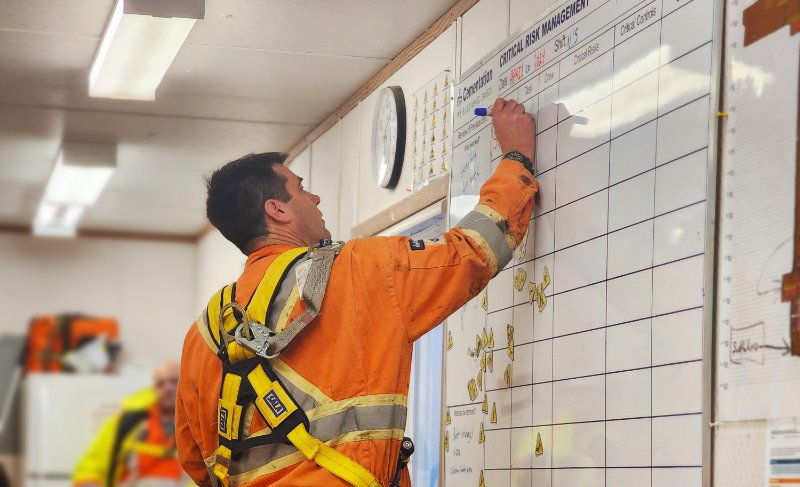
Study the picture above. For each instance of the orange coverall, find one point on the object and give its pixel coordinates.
(381, 296)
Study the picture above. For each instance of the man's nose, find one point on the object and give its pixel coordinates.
(315, 199)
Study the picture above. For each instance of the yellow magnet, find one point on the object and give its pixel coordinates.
(519, 278)
(472, 388)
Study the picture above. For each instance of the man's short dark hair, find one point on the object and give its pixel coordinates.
(236, 195)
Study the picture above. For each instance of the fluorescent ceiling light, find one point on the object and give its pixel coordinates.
(78, 178)
(141, 41)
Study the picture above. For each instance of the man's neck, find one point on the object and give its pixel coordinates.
(277, 236)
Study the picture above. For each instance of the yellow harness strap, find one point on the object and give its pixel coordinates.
(153, 450)
(273, 402)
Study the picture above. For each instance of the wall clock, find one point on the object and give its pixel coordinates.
(388, 137)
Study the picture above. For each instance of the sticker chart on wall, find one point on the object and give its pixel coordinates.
(582, 363)
(759, 269)
(430, 130)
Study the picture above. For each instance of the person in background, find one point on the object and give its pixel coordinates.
(136, 447)
(347, 372)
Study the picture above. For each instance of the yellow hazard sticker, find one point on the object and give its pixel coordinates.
(545, 279)
(541, 300)
(539, 447)
(519, 278)
(472, 389)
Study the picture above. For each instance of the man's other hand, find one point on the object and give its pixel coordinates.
(513, 127)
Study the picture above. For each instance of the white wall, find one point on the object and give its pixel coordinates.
(148, 286)
(218, 263)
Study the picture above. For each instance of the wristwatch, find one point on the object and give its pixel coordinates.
(522, 159)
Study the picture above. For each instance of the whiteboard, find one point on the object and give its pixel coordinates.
(585, 361)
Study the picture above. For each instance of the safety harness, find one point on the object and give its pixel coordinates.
(245, 344)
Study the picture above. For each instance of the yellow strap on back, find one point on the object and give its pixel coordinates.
(229, 414)
(222, 460)
(275, 404)
(331, 459)
(257, 309)
(258, 305)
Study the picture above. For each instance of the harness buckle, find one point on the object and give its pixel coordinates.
(260, 341)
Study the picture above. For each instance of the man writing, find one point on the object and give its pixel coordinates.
(348, 371)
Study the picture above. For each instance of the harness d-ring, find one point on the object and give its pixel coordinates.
(223, 333)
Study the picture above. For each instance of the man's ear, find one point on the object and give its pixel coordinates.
(276, 211)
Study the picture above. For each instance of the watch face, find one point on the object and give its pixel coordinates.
(388, 138)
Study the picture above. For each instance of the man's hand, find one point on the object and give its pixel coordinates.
(513, 127)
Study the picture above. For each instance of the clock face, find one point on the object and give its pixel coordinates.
(388, 137)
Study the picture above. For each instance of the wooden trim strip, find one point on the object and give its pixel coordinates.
(124, 235)
(406, 55)
(436, 190)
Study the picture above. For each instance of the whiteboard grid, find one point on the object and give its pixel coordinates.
(570, 464)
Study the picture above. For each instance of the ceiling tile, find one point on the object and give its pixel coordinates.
(73, 17)
(293, 78)
(318, 26)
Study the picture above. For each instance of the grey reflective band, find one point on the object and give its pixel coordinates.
(494, 236)
(326, 428)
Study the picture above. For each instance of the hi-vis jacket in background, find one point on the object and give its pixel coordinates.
(348, 370)
(132, 449)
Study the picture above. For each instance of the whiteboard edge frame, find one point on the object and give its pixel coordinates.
(711, 266)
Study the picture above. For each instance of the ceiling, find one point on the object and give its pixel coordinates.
(252, 76)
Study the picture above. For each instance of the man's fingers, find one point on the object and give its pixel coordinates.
(498, 105)
(519, 108)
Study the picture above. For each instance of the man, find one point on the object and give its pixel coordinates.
(137, 446)
(348, 371)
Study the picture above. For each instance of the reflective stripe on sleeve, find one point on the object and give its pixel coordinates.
(493, 236)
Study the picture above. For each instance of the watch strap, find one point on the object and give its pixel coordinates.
(522, 159)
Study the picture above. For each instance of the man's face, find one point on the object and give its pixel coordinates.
(165, 381)
(306, 218)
